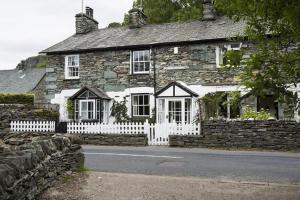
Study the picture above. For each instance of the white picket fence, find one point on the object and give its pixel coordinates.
(32, 126)
(158, 134)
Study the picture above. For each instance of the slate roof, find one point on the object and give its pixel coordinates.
(178, 32)
(20, 81)
(98, 92)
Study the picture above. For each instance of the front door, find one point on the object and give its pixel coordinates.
(175, 111)
(87, 109)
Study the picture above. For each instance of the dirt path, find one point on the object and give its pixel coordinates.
(108, 186)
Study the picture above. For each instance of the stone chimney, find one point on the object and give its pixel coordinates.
(137, 18)
(85, 22)
(208, 10)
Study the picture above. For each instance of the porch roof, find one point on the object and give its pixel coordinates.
(181, 86)
(98, 92)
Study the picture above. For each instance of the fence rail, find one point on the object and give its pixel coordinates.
(32, 126)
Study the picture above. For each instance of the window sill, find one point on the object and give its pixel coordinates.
(140, 73)
(72, 78)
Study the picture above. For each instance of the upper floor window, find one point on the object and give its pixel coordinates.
(141, 105)
(221, 58)
(72, 67)
(140, 61)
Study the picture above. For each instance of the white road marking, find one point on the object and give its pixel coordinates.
(132, 155)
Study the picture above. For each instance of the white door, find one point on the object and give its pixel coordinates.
(87, 109)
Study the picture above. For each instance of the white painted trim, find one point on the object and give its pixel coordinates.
(67, 77)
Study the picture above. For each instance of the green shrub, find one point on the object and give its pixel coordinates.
(46, 114)
(249, 113)
(16, 99)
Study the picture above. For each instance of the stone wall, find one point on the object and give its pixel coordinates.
(270, 135)
(110, 70)
(40, 93)
(114, 140)
(29, 164)
(10, 113)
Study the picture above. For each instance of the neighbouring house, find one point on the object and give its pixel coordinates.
(160, 70)
(27, 77)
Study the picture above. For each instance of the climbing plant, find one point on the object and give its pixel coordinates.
(119, 111)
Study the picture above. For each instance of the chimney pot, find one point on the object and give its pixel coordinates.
(89, 12)
(137, 18)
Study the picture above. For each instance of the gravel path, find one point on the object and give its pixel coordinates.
(110, 186)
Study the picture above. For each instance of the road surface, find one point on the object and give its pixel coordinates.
(273, 167)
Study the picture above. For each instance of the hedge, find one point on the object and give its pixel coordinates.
(16, 99)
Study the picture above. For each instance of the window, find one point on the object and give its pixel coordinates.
(221, 58)
(141, 105)
(72, 67)
(141, 61)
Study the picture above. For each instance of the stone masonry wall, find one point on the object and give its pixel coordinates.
(30, 164)
(114, 140)
(270, 135)
(10, 113)
(110, 70)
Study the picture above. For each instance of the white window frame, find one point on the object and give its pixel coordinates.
(80, 108)
(138, 105)
(220, 54)
(132, 62)
(67, 67)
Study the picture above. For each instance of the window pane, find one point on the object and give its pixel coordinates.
(146, 100)
(135, 56)
(141, 100)
(141, 55)
(147, 110)
(147, 66)
(141, 112)
(147, 55)
(135, 100)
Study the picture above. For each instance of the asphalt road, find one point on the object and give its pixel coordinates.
(223, 165)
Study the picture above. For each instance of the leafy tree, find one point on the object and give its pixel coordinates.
(274, 27)
(164, 11)
(114, 25)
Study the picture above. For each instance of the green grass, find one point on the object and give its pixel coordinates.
(81, 169)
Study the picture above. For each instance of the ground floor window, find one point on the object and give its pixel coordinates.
(141, 105)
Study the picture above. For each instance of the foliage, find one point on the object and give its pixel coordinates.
(114, 25)
(81, 169)
(119, 111)
(42, 62)
(215, 104)
(46, 114)
(17, 99)
(165, 11)
(249, 113)
(274, 28)
(70, 107)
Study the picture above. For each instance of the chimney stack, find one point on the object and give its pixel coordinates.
(208, 10)
(137, 18)
(85, 22)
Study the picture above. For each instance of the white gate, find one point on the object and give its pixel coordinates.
(158, 134)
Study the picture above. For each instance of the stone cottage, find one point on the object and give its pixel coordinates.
(158, 69)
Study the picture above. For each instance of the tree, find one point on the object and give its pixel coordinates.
(273, 26)
(114, 25)
(164, 11)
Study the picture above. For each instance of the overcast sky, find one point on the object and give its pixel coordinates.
(30, 26)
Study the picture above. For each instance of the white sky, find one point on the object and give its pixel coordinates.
(30, 26)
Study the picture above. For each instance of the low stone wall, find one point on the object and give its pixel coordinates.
(270, 135)
(16, 112)
(114, 140)
(30, 163)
